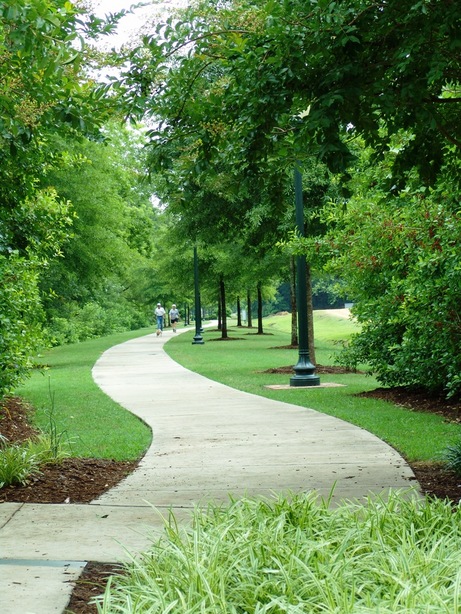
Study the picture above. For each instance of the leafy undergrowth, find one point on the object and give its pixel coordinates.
(395, 555)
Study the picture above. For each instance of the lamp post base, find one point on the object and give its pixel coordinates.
(198, 340)
(305, 380)
(304, 373)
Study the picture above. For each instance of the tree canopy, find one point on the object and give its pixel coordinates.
(247, 89)
(245, 80)
(364, 96)
(43, 92)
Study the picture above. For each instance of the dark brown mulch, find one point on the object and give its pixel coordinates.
(434, 478)
(79, 480)
(437, 481)
(229, 332)
(73, 480)
(284, 347)
(226, 339)
(91, 583)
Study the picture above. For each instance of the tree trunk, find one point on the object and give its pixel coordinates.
(250, 323)
(223, 309)
(260, 310)
(294, 306)
(310, 314)
(239, 312)
(219, 310)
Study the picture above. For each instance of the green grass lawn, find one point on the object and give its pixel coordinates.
(242, 362)
(62, 390)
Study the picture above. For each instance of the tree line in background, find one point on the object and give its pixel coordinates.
(224, 99)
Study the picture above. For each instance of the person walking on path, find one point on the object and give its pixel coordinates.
(174, 317)
(160, 314)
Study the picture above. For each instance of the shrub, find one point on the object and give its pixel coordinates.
(79, 323)
(402, 265)
(20, 320)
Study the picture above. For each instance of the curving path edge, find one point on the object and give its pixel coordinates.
(209, 441)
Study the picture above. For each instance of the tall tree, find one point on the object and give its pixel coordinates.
(43, 91)
(113, 232)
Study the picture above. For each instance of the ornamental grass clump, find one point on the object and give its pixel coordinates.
(452, 456)
(298, 555)
(48, 449)
(18, 463)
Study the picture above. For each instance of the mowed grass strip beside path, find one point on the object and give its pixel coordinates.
(62, 390)
(243, 361)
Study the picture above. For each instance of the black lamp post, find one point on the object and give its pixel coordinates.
(198, 340)
(304, 369)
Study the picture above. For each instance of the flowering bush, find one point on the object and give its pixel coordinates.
(399, 255)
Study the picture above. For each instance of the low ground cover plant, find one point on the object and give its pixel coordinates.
(452, 456)
(20, 462)
(260, 556)
(17, 464)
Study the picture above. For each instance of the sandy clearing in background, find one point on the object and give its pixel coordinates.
(340, 313)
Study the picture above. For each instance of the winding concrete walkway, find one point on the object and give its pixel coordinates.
(209, 441)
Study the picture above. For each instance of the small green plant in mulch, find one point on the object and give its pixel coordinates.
(56, 444)
(20, 462)
(452, 456)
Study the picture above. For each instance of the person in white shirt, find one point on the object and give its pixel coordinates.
(159, 313)
(174, 317)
